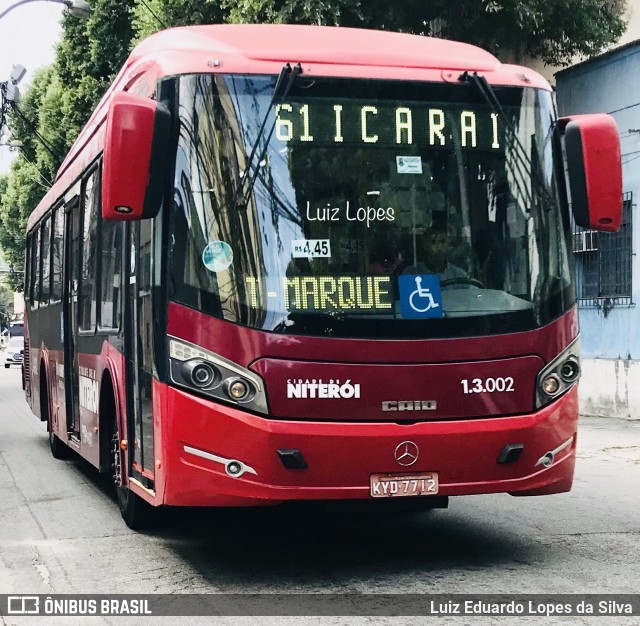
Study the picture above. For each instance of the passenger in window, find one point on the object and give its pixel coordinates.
(434, 256)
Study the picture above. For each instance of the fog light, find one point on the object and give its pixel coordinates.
(238, 390)
(551, 385)
(570, 370)
(202, 375)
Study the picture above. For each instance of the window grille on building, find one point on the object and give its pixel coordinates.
(603, 263)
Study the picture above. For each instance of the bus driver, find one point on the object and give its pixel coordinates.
(435, 252)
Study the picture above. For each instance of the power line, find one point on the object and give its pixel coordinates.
(48, 184)
(629, 161)
(34, 130)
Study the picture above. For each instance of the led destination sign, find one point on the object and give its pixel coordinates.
(383, 124)
(364, 294)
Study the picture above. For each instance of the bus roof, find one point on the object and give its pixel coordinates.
(264, 48)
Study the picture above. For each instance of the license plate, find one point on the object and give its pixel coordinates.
(403, 485)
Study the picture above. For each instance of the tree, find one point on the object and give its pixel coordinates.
(6, 305)
(408, 15)
(18, 197)
(88, 58)
(552, 31)
(151, 16)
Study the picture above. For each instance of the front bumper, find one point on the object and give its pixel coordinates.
(199, 438)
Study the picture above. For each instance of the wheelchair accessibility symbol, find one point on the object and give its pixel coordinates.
(420, 296)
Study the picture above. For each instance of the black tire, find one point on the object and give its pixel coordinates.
(6, 365)
(136, 512)
(59, 450)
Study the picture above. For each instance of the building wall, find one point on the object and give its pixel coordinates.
(611, 337)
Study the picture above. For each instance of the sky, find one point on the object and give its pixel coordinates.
(28, 35)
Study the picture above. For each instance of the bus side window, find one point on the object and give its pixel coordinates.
(88, 271)
(111, 274)
(35, 269)
(46, 262)
(56, 253)
(27, 270)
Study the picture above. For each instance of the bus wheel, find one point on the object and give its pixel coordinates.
(59, 450)
(136, 512)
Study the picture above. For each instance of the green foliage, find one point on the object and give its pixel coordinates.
(18, 198)
(552, 31)
(52, 127)
(151, 16)
(6, 304)
(110, 33)
(407, 16)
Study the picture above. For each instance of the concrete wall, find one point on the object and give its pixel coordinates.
(610, 388)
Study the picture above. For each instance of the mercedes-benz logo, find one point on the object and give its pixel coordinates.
(406, 453)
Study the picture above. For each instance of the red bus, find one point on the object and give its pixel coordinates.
(310, 263)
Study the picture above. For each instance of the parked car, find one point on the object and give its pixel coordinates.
(16, 329)
(14, 352)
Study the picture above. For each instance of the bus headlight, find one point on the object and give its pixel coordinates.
(559, 375)
(551, 385)
(570, 370)
(211, 375)
(236, 388)
(200, 373)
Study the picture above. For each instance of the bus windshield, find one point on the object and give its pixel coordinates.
(377, 208)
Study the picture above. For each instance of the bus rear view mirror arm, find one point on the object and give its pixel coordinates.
(135, 157)
(591, 146)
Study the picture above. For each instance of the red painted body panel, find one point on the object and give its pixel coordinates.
(375, 384)
(126, 160)
(463, 448)
(602, 170)
(244, 345)
(341, 456)
(108, 362)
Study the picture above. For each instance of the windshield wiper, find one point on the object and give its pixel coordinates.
(520, 152)
(248, 176)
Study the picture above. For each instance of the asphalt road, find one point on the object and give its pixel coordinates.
(61, 532)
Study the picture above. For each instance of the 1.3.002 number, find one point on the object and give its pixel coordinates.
(487, 385)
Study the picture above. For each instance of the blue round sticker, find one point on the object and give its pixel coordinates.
(217, 256)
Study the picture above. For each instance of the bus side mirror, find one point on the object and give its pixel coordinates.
(136, 157)
(594, 169)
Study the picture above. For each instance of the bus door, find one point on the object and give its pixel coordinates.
(70, 312)
(139, 351)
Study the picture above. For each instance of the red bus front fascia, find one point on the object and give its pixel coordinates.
(342, 456)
